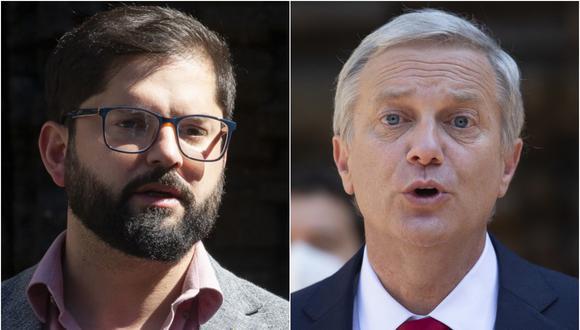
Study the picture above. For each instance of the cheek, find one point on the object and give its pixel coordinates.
(90, 146)
(112, 168)
(203, 176)
(374, 166)
(194, 171)
(479, 176)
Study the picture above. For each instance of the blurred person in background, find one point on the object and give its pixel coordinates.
(326, 229)
(427, 123)
(141, 101)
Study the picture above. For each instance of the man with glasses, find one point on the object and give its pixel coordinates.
(141, 100)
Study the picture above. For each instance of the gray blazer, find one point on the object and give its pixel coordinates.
(245, 305)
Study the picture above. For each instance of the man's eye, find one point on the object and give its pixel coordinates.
(392, 119)
(461, 122)
(192, 131)
(132, 124)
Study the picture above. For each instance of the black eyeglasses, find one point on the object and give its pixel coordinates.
(134, 130)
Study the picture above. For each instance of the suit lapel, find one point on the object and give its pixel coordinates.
(331, 306)
(523, 293)
(238, 305)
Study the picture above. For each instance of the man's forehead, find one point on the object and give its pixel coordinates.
(403, 71)
(187, 84)
(394, 93)
(140, 69)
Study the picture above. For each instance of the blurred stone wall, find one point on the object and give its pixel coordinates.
(539, 216)
(251, 237)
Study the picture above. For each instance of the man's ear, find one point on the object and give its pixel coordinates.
(52, 143)
(341, 154)
(511, 160)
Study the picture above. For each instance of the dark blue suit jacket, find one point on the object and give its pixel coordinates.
(530, 297)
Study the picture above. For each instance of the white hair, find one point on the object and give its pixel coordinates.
(435, 25)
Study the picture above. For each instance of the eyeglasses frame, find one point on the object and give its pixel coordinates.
(103, 111)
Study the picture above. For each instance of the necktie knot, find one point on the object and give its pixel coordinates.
(427, 323)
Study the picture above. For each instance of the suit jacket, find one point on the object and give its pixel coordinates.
(530, 297)
(245, 305)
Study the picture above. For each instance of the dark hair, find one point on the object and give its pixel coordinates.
(86, 58)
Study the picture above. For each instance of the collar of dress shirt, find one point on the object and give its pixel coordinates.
(45, 290)
(471, 305)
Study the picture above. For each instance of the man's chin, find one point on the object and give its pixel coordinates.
(169, 218)
(425, 231)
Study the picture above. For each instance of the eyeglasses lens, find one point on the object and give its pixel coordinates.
(202, 137)
(130, 130)
(134, 130)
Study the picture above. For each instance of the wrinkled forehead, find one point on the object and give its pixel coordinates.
(406, 70)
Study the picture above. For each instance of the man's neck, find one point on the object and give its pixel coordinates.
(420, 277)
(105, 288)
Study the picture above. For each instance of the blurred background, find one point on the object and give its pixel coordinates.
(326, 228)
(251, 237)
(539, 216)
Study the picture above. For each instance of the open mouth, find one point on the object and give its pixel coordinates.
(426, 192)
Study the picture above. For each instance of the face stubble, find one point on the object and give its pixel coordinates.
(141, 233)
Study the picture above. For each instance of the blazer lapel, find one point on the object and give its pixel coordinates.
(238, 305)
(331, 306)
(523, 293)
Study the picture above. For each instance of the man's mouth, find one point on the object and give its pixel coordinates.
(159, 195)
(159, 190)
(425, 193)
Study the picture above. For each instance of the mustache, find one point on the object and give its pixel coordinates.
(164, 176)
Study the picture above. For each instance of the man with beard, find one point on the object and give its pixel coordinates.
(141, 100)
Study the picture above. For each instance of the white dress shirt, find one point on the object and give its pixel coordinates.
(471, 305)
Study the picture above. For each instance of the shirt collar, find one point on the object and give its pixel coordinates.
(201, 280)
(376, 308)
(46, 286)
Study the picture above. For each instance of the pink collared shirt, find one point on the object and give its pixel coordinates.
(200, 298)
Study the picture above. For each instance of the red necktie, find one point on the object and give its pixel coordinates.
(427, 323)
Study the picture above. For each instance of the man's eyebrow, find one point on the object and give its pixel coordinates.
(463, 96)
(393, 93)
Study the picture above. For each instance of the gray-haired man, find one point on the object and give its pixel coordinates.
(428, 115)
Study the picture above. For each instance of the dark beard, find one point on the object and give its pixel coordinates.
(140, 233)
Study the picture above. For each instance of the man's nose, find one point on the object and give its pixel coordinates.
(165, 150)
(425, 145)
